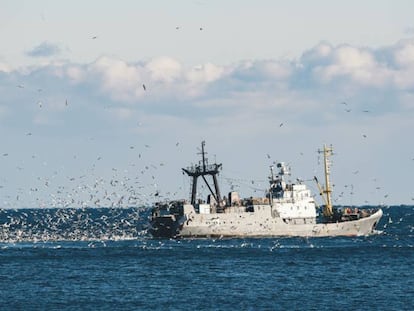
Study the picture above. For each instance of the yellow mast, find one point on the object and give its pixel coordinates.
(327, 152)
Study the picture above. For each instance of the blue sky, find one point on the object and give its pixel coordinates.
(259, 81)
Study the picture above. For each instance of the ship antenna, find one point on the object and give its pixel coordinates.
(272, 175)
(203, 155)
(272, 180)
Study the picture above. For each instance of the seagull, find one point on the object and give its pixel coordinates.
(365, 136)
(21, 86)
(66, 102)
(94, 37)
(281, 124)
(348, 110)
(40, 104)
(144, 87)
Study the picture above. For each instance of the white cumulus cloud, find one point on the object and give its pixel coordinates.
(164, 69)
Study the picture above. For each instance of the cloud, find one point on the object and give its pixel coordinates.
(121, 80)
(324, 66)
(164, 69)
(324, 73)
(404, 54)
(204, 73)
(356, 65)
(45, 49)
(391, 67)
(163, 78)
(4, 67)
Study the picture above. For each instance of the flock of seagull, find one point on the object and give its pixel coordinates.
(125, 187)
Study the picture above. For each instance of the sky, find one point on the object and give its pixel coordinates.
(102, 102)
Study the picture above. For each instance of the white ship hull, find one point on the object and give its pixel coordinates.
(243, 225)
(255, 225)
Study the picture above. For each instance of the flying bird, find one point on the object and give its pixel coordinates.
(144, 87)
(281, 124)
(94, 37)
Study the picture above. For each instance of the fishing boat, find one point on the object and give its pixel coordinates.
(286, 209)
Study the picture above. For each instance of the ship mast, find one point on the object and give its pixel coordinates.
(203, 169)
(327, 152)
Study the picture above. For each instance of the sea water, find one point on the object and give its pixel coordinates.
(103, 259)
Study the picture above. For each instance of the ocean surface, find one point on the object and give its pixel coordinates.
(103, 259)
